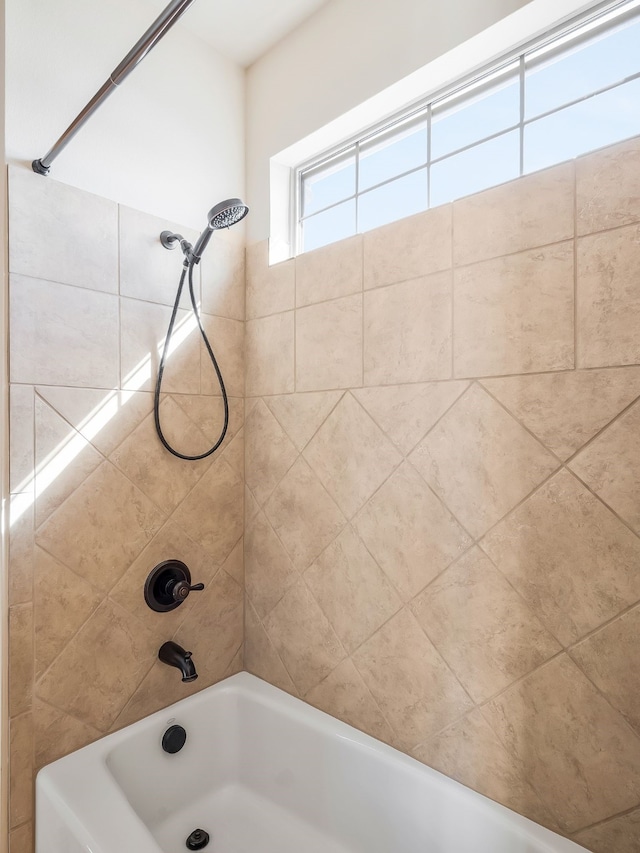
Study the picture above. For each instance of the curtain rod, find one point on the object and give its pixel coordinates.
(158, 29)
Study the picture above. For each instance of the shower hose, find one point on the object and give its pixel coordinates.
(187, 272)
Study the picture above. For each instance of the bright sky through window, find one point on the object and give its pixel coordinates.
(548, 104)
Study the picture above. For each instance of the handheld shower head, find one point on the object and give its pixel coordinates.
(223, 215)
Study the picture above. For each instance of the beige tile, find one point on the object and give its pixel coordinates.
(478, 476)
(412, 247)
(100, 668)
(106, 502)
(269, 570)
(251, 507)
(481, 626)
(303, 515)
(63, 602)
(214, 628)
(207, 413)
(412, 685)
(105, 418)
(261, 658)
(56, 337)
(222, 272)
(21, 791)
(270, 289)
(163, 478)
(608, 187)
(351, 589)
(608, 659)
(610, 466)
(565, 410)
(407, 331)
(226, 338)
(64, 460)
(21, 437)
(525, 213)
(407, 412)
(350, 455)
(212, 514)
(143, 328)
(301, 415)
(171, 543)
(20, 659)
(22, 840)
(236, 665)
(344, 695)
(514, 314)
(234, 454)
(147, 270)
(409, 532)
(269, 355)
(619, 833)
(269, 452)
(329, 345)
(608, 300)
(572, 561)
(578, 753)
(329, 272)
(303, 638)
(21, 551)
(62, 233)
(234, 564)
(57, 734)
(213, 632)
(470, 753)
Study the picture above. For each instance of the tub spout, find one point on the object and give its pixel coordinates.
(174, 655)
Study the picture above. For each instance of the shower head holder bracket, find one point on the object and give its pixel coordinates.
(168, 585)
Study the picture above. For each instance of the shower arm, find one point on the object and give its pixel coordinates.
(158, 29)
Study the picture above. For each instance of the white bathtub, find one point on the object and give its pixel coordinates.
(265, 773)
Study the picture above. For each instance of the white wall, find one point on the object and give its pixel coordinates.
(170, 141)
(347, 52)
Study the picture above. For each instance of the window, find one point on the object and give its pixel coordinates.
(574, 91)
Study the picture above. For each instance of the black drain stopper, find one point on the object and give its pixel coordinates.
(197, 840)
(173, 740)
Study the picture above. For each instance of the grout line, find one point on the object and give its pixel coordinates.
(606, 820)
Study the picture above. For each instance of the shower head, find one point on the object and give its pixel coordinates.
(223, 215)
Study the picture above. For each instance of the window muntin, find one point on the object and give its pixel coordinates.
(555, 100)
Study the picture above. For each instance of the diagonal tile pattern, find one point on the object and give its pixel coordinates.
(480, 461)
(610, 466)
(565, 410)
(409, 532)
(570, 558)
(501, 641)
(351, 455)
(395, 622)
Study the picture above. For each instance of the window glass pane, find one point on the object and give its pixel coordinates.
(599, 121)
(393, 201)
(328, 227)
(396, 152)
(329, 183)
(595, 64)
(486, 165)
(456, 125)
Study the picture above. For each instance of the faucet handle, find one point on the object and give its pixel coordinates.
(181, 590)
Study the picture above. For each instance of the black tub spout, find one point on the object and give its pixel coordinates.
(174, 655)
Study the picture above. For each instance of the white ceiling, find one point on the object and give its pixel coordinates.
(243, 30)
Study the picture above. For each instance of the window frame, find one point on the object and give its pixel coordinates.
(554, 43)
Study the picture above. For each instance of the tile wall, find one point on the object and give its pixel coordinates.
(443, 489)
(96, 501)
